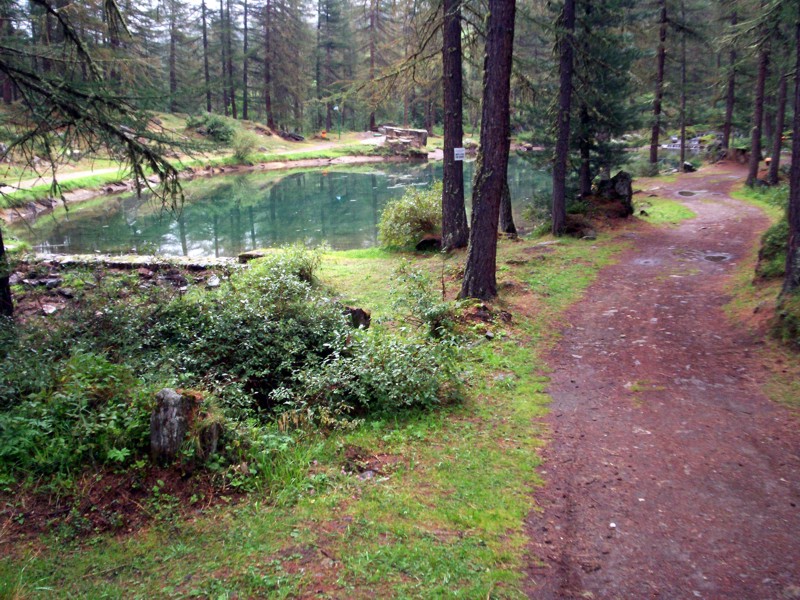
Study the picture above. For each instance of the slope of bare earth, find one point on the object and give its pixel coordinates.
(669, 473)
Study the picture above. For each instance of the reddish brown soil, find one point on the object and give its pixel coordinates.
(669, 473)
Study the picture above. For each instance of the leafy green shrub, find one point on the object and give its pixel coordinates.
(787, 325)
(216, 127)
(772, 254)
(244, 144)
(405, 221)
(416, 300)
(377, 373)
(91, 412)
(295, 260)
(76, 389)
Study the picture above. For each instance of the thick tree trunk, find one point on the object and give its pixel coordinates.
(268, 64)
(480, 278)
(206, 72)
(507, 225)
(455, 231)
(758, 116)
(791, 283)
(6, 303)
(566, 43)
(780, 117)
(659, 93)
(730, 97)
(683, 86)
(245, 60)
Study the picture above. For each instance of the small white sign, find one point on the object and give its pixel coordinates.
(458, 154)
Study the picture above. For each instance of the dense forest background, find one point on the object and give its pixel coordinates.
(302, 66)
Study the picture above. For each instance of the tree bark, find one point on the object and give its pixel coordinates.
(584, 146)
(480, 278)
(769, 118)
(780, 117)
(224, 63)
(455, 230)
(245, 60)
(730, 97)
(683, 85)
(758, 115)
(318, 64)
(566, 43)
(659, 93)
(6, 303)
(173, 58)
(229, 51)
(373, 33)
(7, 29)
(268, 64)
(206, 74)
(791, 283)
(507, 225)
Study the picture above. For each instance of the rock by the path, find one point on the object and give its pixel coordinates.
(429, 243)
(49, 309)
(213, 282)
(618, 189)
(246, 257)
(359, 318)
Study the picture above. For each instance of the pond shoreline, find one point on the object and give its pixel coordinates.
(37, 208)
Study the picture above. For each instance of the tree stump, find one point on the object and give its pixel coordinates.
(168, 425)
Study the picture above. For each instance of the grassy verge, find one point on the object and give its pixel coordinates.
(660, 211)
(429, 505)
(19, 198)
(753, 303)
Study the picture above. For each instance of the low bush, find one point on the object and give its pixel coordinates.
(269, 344)
(405, 221)
(416, 301)
(244, 144)
(88, 412)
(377, 373)
(787, 325)
(772, 254)
(215, 127)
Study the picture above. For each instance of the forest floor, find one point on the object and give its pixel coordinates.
(669, 474)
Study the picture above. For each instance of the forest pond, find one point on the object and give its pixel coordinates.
(229, 214)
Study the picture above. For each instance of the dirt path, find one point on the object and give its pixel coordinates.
(669, 474)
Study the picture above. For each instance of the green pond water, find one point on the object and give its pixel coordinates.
(226, 215)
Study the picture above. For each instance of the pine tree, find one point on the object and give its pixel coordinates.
(480, 280)
(566, 27)
(791, 282)
(455, 232)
